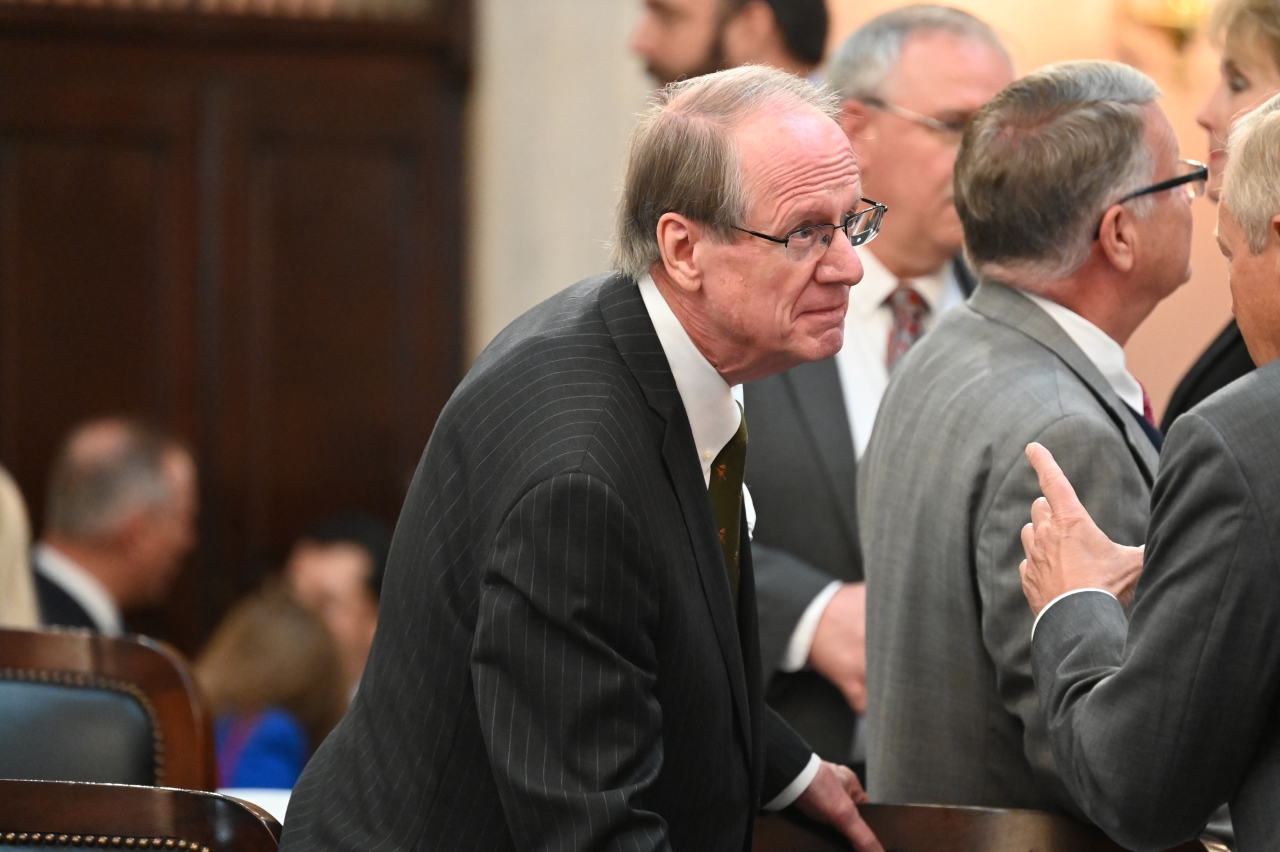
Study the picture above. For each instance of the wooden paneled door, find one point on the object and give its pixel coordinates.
(248, 231)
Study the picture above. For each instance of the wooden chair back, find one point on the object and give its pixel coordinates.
(154, 674)
(944, 828)
(117, 816)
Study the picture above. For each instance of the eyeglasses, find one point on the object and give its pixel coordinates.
(1194, 175)
(953, 129)
(860, 228)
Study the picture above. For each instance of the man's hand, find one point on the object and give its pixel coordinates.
(839, 650)
(831, 798)
(1065, 549)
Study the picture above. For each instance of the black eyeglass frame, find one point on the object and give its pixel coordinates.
(1201, 172)
(855, 240)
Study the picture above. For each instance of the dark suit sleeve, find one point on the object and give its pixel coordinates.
(565, 668)
(1097, 461)
(1151, 747)
(785, 586)
(786, 755)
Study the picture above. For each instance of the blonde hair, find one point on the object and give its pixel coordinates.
(683, 159)
(17, 589)
(1239, 17)
(1251, 182)
(271, 652)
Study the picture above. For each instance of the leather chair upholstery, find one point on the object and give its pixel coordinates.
(55, 732)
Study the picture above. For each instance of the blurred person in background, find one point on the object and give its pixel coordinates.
(909, 80)
(1248, 32)
(120, 518)
(17, 590)
(335, 570)
(271, 675)
(678, 39)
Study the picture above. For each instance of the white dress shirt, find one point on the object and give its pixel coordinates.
(864, 375)
(1108, 356)
(715, 412)
(84, 588)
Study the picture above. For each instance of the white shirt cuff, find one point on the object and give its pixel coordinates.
(796, 787)
(1060, 597)
(797, 655)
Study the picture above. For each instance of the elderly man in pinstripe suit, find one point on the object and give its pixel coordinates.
(568, 654)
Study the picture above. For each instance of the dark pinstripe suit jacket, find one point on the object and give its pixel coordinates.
(558, 664)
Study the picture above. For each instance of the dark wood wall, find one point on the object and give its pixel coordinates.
(248, 231)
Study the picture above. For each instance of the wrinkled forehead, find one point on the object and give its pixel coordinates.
(791, 154)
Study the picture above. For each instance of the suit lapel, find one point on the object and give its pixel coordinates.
(1006, 305)
(632, 331)
(815, 390)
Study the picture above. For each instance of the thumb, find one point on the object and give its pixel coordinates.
(1053, 482)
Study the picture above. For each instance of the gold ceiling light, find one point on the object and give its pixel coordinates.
(1178, 20)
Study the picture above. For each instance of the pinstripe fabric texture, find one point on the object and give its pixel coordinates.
(557, 663)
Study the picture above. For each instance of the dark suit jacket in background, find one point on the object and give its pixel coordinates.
(1226, 360)
(558, 664)
(57, 608)
(1159, 719)
(803, 474)
(943, 493)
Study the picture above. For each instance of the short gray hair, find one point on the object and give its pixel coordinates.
(864, 62)
(106, 470)
(1251, 183)
(1040, 164)
(683, 157)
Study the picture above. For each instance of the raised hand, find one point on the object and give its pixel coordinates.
(1065, 549)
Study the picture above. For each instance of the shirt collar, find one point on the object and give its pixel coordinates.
(1106, 354)
(712, 405)
(84, 588)
(868, 295)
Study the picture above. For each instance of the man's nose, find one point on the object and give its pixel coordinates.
(840, 263)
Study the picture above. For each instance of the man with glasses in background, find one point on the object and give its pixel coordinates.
(1077, 217)
(909, 81)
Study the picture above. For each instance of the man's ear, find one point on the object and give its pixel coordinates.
(854, 118)
(1118, 237)
(677, 238)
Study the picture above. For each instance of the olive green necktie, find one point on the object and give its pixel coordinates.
(725, 489)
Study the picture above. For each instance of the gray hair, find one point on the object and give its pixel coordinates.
(683, 157)
(864, 62)
(1251, 183)
(105, 471)
(1040, 164)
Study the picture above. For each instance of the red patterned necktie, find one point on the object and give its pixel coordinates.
(909, 310)
(1147, 411)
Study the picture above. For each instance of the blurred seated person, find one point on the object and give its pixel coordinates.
(335, 570)
(120, 518)
(271, 675)
(17, 593)
(687, 38)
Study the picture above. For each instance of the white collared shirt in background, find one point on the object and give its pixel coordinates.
(864, 374)
(84, 588)
(714, 410)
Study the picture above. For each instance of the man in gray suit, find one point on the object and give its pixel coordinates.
(1060, 186)
(909, 80)
(1158, 719)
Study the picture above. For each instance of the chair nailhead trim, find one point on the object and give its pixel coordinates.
(12, 838)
